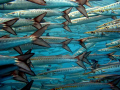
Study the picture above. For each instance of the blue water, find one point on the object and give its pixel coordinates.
(77, 33)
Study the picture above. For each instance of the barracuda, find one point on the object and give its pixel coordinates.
(43, 79)
(6, 43)
(116, 21)
(114, 43)
(63, 71)
(94, 39)
(5, 1)
(24, 22)
(113, 48)
(53, 43)
(84, 86)
(41, 60)
(35, 12)
(99, 56)
(76, 14)
(106, 31)
(31, 28)
(81, 50)
(49, 4)
(85, 20)
(113, 67)
(108, 10)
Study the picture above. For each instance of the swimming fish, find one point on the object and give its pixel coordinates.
(35, 12)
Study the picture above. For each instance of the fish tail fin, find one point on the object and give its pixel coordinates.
(82, 10)
(81, 42)
(82, 2)
(85, 58)
(11, 22)
(18, 49)
(80, 63)
(66, 12)
(9, 29)
(28, 86)
(37, 34)
(22, 61)
(29, 61)
(28, 72)
(66, 27)
(40, 2)
(80, 60)
(19, 76)
(40, 17)
(110, 55)
(65, 44)
(95, 64)
(37, 25)
(114, 84)
(8, 24)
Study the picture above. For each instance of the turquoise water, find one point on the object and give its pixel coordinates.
(78, 32)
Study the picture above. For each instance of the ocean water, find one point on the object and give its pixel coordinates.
(78, 32)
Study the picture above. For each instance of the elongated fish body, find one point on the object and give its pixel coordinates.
(109, 9)
(116, 21)
(114, 43)
(84, 20)
(22, 5)
(20, 22)
(96, 39)
(51, 40)
(107, 68)
(97, 56)
(7, 60)
(81, 50)
(116, 48)
(31, 28)
(43, 79)
(2, 33)
(35, 12)
(63, 71)
(5, 1)
(53, 59)
(6, 43)
(76, 14)
(116, 56)
(84, 86)
(106, 31)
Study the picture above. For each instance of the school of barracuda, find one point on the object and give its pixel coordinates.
(59, 45)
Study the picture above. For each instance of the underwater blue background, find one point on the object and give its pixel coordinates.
(77, 33)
